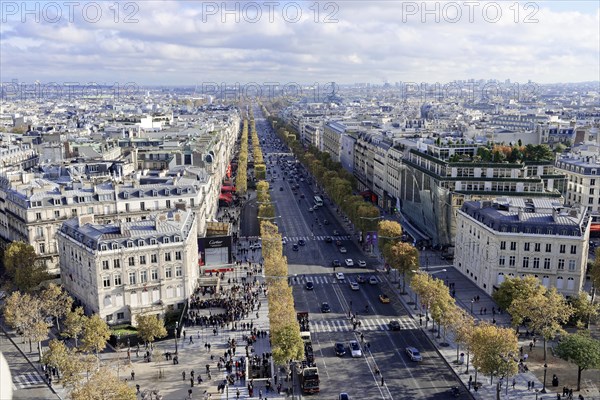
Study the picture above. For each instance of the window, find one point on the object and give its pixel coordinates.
(511, 261)
(106, 281)
(109, 318)
(592, 182)
(153, 258)
(562, 248)
(525, 262)
(177, 239)
(117, 280)
(56, 214)
(143, 206)
(526, 246)
(143, 276)
(168, 256)
(178, 255)
(131, 261)
(73, 212)
(168, 273)
(152, 241)
(573, 249)
(178, 270)
(120, 315)
(105, 264)
(513, 246)
(548, 247)
(132, 280)
(127, 207)
(536, 262)
(42, 248)
(561, 263)
(168, 204)
(502, 261)
(571, 265)
(502, 245)
(117, 263)
(154, 275)
(537, 247)
(546, 263)
(142, 260)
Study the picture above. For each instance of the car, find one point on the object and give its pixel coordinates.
(448, 257)
(355, 350)
(384, 298)
(339, 276)
(325, 308)
(281, 188)
(301, 242)
(413, 354)
(394, 325)
(349, 262)
(255, 246)
(310, 209)
(335, 233)
(336, 263)
(302, 196)
(362, 263)
(343, 250)
(360, 279)
(295, 247)
(354, 285)
(309, 286)
(284, 240)
(344, 396)
(338, 243)
(373, 280)
(328, 239)
(340, 349)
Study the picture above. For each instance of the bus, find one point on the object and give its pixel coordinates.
(318, 201)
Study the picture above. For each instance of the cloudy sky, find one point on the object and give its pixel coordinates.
(192, 42)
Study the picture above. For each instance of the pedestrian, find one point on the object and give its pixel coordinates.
(382, 381)
(528, 385)
(183, 375)
(132, 375)
(191, 382)
(532, 384)
(470, 382)
(137, 387)
(530, 346)
(191, 339)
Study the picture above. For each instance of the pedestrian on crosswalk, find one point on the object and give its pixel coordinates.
(132, 375)
(382, 381)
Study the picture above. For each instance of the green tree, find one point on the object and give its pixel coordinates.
(402, 257)
(56, 302)
(582, 351)
(24, 312)
(513, 288)
(583, 309)
(65, 360)
(74, 323)
(546, 311)
(388, 232)
(595, 273)
(95, 335)
(287, 344)
(22, 266)
(150, 327)
(103, 384)
(491, 346)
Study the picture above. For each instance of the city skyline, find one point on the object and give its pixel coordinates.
(186, 43)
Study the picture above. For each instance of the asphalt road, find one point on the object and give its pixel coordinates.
(403, 379)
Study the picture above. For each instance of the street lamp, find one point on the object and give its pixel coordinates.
(472, 301)
(176, 326)
(545, 371)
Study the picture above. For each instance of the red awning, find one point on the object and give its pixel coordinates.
(227, 189)
(225, 197)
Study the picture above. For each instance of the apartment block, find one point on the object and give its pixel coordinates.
(517, 237)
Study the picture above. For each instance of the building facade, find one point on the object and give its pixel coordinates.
(122, 270)
(517, 237)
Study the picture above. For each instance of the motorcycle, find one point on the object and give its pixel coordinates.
(455, 391)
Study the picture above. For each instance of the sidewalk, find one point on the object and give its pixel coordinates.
(467, 291)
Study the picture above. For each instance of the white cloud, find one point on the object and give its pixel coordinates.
(175, 43)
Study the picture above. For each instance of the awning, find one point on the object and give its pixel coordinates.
(225, 197)
(227, 189)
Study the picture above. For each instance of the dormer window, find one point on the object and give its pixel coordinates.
(129, 243)
(177, 239)
(154, 192)
(178, 190)
(141, 243)
(141, 193)
(57, 202)
(125, 195)
(166, 239)
(115, 246)
(103, 247)
(152, 241)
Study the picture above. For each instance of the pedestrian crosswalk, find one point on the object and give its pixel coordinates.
(327, 279)
(26, 379)
(294, 239)
(366, 324)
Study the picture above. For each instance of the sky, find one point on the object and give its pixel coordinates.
(284, 42)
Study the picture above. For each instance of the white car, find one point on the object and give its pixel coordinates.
(340, 276)
(362, 263)
(284, 240)
(373, 280)
(349, 262)
(355, 350)
(343, 250)
(354, 285)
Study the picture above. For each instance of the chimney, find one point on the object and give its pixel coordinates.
(554, 214)
(520, 213)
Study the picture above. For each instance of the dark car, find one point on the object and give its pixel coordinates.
(301, 242)
(309, 286)
(325, 308)
(295, 247)
(340, 349)
(281, 189)
(394, 325)
(336, 263)
(325, 222)
(328, 239)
